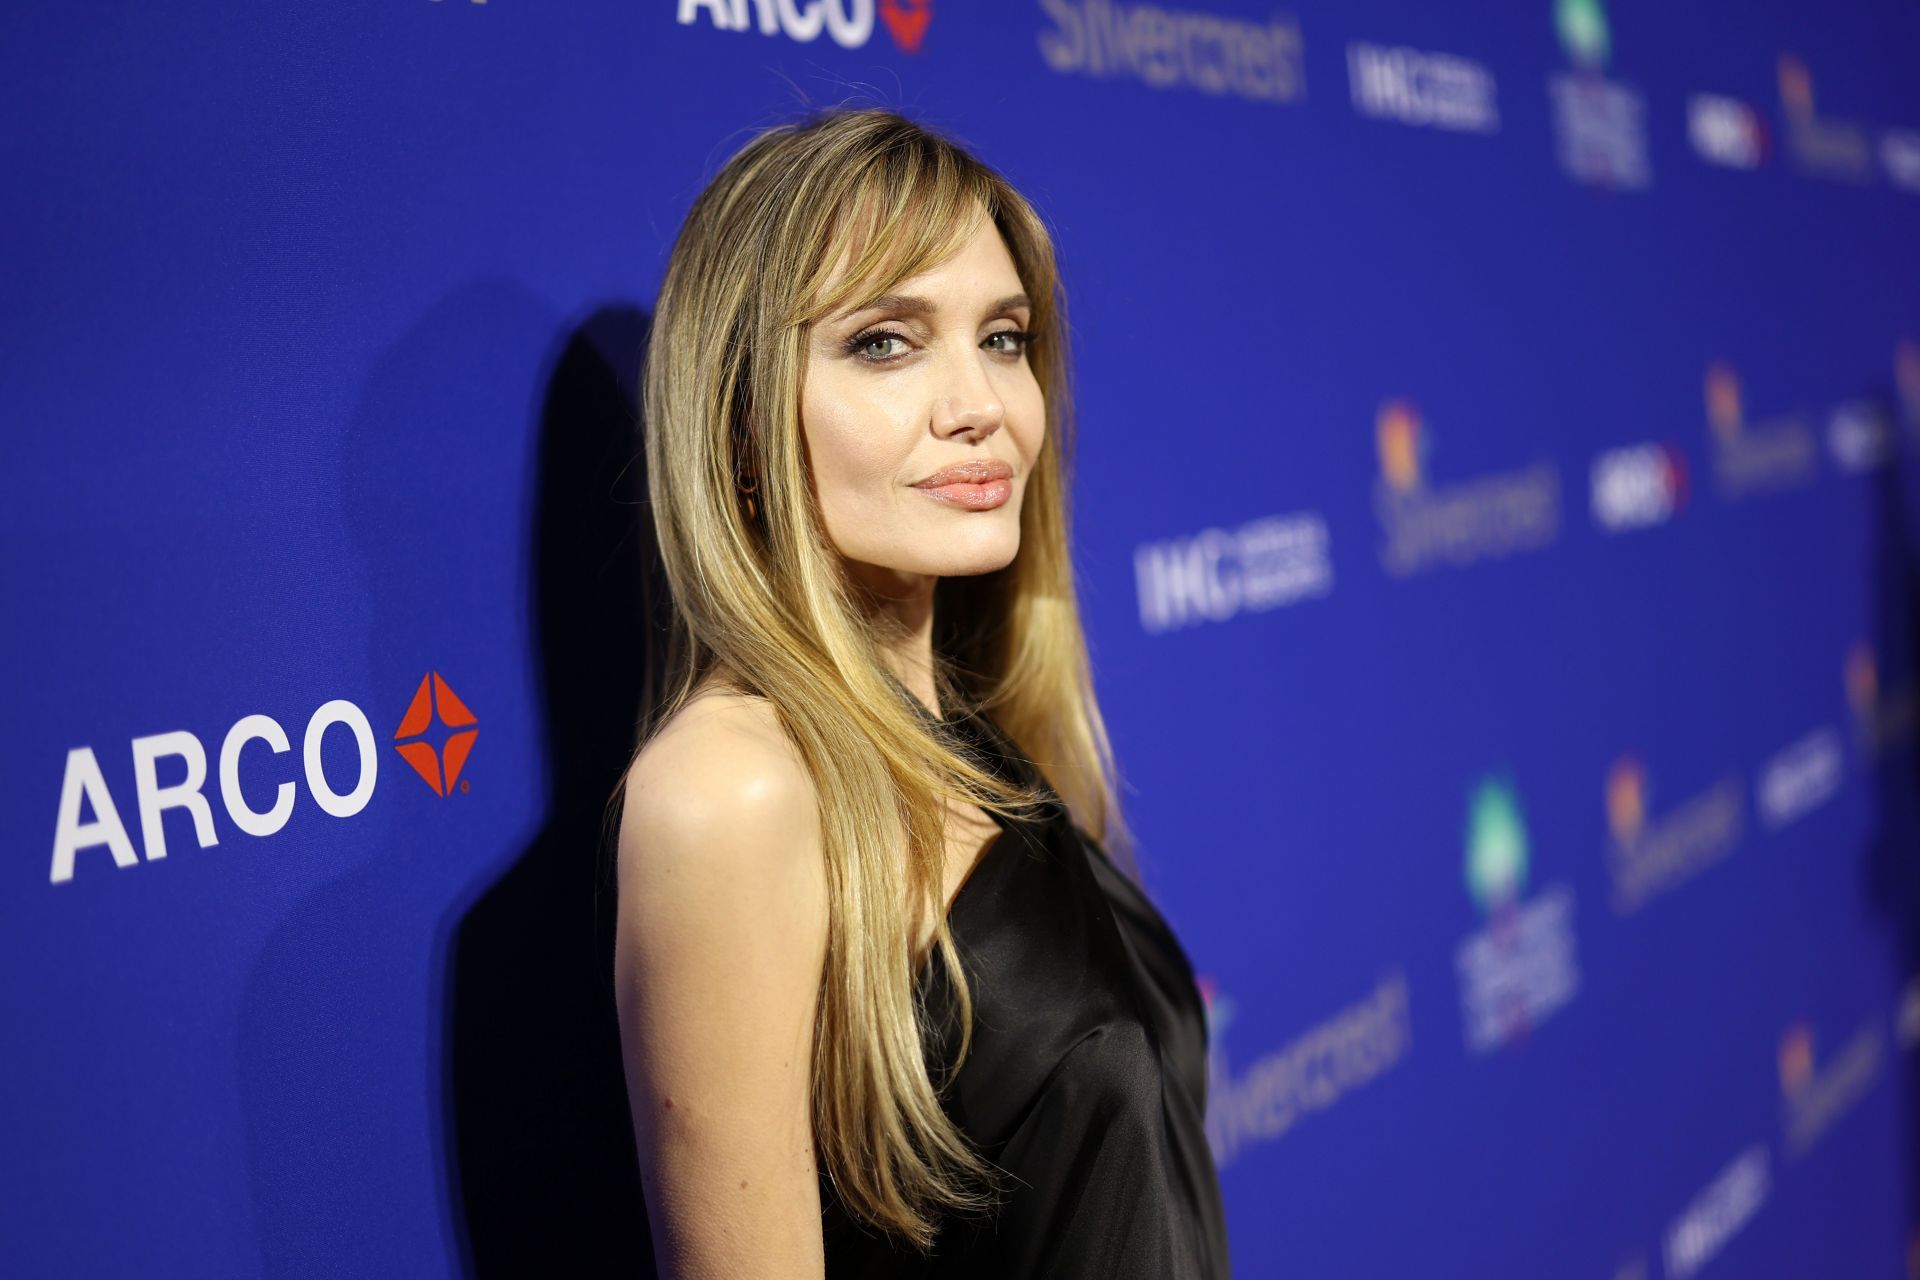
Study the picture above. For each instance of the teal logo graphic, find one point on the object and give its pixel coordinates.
(1496, 845)
(1582, 25)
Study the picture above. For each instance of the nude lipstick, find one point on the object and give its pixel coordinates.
(979, 485)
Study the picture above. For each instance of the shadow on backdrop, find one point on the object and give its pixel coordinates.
(517, 1032)
(548, 1182)
(1881, 686)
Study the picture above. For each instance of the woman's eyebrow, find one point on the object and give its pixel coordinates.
(908, 304)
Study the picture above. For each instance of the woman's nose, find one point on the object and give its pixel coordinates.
(968, 402)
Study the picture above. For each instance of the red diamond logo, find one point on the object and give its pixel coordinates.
(434, 700)
(907, 20)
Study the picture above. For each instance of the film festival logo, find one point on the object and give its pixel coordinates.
(1317, 1069)
(1218, 574)
(1225, 56)
(1649, 856)
(1814, 1096)
(1423, 526)
(1638, 486)
(1753, 459)
(1819, 146)
(438, 759)
(1413, 86)
(1599, 125)
(848, 23)
(1523, 966)
(1882, 718)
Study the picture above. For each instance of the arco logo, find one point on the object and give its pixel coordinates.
(848, 23)
(84, 786)
(433, 696)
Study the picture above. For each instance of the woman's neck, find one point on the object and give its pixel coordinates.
(902, 606)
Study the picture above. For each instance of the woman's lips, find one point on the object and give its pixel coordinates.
(974, 497)
(978, 484)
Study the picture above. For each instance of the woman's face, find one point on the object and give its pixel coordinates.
(933, 376)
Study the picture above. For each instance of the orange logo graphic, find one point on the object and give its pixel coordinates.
(1627, 799)
(907, 20)
(1863, 679)
(1401, 443)
(434, 695)
(1796, 86)
(1796, 1059)
(1723, 400)
(1906, 373)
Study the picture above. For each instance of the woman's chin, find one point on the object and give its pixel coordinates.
(965, 560)
(974, 568)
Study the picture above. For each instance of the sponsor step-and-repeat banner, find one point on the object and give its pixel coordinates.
(1494, 504)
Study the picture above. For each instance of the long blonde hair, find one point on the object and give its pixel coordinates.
(761, 597)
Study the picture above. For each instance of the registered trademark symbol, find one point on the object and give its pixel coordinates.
(466, 785)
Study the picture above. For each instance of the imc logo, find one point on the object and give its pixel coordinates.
(849, 23)
(1638, 486)
(437, 756)
(1726, 131)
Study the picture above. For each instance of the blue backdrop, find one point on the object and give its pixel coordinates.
(1493, 507)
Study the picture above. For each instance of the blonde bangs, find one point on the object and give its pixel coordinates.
(904, 217)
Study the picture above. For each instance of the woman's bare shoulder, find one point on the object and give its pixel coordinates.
(720, 764)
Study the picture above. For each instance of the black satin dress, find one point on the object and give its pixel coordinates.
(1086, 1079)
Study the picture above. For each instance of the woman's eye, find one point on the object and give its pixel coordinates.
(862, 343)
(865, 345)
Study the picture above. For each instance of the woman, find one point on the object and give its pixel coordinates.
(856, 401)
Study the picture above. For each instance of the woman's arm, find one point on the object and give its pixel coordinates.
(718, 954)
